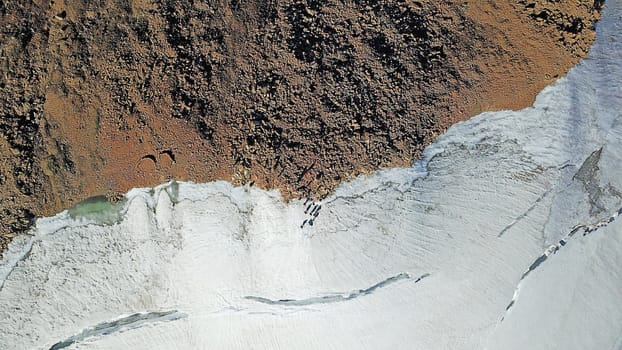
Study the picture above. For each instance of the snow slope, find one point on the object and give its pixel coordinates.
(506, 236)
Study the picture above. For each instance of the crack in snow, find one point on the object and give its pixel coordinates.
(524, 215)
(334, 298)
(124, 323)
(554, 248)
(25, 256)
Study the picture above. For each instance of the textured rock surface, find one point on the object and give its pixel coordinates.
(98, 97)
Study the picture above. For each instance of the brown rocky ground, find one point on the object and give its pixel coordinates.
(101, 96)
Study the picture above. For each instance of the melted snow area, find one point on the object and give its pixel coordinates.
(506, 236)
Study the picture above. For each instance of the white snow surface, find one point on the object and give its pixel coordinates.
(508, 210)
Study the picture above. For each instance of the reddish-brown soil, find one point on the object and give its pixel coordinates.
(101, 96)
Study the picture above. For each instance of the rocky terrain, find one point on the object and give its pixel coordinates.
(97, 97)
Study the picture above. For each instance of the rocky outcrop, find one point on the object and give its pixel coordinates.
(101, 96)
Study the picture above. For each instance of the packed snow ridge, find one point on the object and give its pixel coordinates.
(505, 236)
